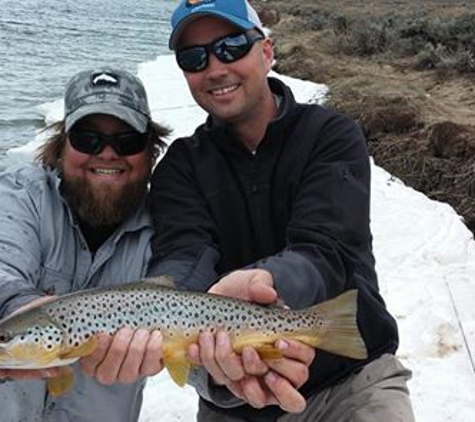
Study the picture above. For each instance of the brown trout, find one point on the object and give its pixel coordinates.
(59, 332)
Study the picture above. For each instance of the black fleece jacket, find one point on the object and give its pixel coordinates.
(297, 207)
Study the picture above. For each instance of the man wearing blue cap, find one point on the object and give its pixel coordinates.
(269, 199)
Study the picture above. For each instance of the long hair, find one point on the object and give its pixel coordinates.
(51, 151)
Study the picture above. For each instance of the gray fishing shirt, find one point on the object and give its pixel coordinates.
(42, 251)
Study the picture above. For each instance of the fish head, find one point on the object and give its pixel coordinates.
(29, 340)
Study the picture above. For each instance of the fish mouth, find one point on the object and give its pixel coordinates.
(5, 357)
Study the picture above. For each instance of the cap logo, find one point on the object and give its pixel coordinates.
(104, 79)
(194, 3)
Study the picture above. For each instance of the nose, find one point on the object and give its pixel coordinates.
(108, 153)
(216, 68)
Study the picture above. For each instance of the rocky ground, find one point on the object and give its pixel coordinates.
(418, 113)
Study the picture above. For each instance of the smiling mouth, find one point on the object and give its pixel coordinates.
(107, 171)
(225, 90)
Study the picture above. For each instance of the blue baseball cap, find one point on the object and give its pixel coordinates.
(237, 12)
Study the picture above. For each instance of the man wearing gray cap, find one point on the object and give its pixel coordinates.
(77, 219)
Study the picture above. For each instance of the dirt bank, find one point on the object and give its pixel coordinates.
(405, 72)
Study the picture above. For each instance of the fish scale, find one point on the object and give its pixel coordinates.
(63, 330)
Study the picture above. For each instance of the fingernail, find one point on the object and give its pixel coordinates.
(270, 377)
(206, 339)
(221, 339)
(141, 334)
(282, 345)
(247, 353)
(157, 335)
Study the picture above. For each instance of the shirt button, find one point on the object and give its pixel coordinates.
(254, 189)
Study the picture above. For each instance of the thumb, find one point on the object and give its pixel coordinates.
(261, 287)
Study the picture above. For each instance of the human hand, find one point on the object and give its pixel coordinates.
(280, 384)
(254, 285)
(259, 383)
(125, 357)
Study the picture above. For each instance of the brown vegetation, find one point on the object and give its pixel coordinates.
(405, 70)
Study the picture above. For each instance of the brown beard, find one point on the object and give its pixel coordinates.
(105, 206)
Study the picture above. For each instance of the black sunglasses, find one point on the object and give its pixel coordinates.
(227, 49)
(91, 142)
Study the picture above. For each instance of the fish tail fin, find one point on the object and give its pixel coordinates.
(337, 330)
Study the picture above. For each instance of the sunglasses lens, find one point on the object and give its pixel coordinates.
(232, 48)
(89, 142)
(192, 59)
(130, 143)
(86, 142)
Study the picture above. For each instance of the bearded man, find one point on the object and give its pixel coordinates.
(78, 218)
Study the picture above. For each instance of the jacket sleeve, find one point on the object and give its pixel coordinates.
(328, 237)
(20, 253)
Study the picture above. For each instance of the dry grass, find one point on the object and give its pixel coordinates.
(404, 71)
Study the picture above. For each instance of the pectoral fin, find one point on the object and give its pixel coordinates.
(84, 349)
(177, 364)
(62, 383)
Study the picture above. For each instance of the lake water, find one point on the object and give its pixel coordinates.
(44, 42)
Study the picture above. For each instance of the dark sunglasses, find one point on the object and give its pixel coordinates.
(227, 49)
(91, 142)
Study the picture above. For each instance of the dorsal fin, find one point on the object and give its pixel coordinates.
(162, 280)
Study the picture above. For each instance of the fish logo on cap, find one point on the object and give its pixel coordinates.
(104, 78)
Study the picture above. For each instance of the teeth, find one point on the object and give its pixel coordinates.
(224, 91)
(107, 171)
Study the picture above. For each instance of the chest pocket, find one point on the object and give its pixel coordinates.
(54, 282)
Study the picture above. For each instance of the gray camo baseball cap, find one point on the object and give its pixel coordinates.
(107, 91)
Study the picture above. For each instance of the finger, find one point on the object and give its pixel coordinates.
(295, 372)
(135, 353)
(108, 370)
(288, 397)
(193, 354)
(91, 362)
(33, 304)
(261, 288)
(229, 362)
(253, 364)
(255, 393)
(296, 350)
(152, 363)
(208, 359)
(22, 374)
(236, 389)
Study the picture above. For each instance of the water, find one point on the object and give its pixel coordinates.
(44, 42)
